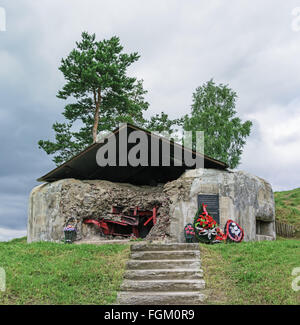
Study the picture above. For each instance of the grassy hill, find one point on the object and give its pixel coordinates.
(252, 273)
(246, 273)
(53, 273)
(256, 272)
(58, 274)
(288, 207)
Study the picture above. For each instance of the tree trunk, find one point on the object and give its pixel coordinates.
(96, 115)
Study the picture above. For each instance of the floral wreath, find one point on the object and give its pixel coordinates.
(206, 229)
(234, 232)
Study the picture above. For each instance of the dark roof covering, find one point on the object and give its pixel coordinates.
(84, 166)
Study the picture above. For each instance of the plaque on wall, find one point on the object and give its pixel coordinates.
(212, 202)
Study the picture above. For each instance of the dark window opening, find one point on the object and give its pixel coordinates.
(264, 228)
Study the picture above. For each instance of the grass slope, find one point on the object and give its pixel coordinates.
(288, 207)
(252, 272)
(246, 273)
(50, 273)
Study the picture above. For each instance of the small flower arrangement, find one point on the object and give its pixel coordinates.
(220, 236)
(189, 230)
(70, 228)
(70, 234)
(189, 233)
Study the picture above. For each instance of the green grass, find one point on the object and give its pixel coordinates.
(245, 273)
(252, 272)
(288, 207)
(51, 273)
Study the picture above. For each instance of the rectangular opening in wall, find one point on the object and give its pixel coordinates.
(264, 228)
(212, 202)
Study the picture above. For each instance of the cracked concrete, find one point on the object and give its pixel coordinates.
(244, 198)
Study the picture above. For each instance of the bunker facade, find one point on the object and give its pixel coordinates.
(154, 203)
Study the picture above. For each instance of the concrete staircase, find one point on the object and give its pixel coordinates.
(163, 274)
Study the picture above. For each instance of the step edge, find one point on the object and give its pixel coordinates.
(161, 293)
(177, 251)
(170, 270)
(165, 260)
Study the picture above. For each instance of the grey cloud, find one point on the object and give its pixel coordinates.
(284, 140)
(8, 234)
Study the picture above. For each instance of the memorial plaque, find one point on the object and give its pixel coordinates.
(212, 202)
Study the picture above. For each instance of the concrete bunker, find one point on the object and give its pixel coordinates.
(151, 202)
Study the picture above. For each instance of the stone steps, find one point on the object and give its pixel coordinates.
(161, 298)
(169, 255)
(164, 274)
(164, 247)
(163, 264)
(162, 285)
(160, 274)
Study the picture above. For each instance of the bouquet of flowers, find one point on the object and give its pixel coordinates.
(189, 233)
(70, 234)
(220, 236)
(70, 228)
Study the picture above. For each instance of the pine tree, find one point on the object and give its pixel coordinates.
(103, 94)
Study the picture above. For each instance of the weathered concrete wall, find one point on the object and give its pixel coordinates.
(44, 219)
(243, 198)
(51, 205)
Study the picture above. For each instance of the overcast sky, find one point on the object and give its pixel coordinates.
(253, 46)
